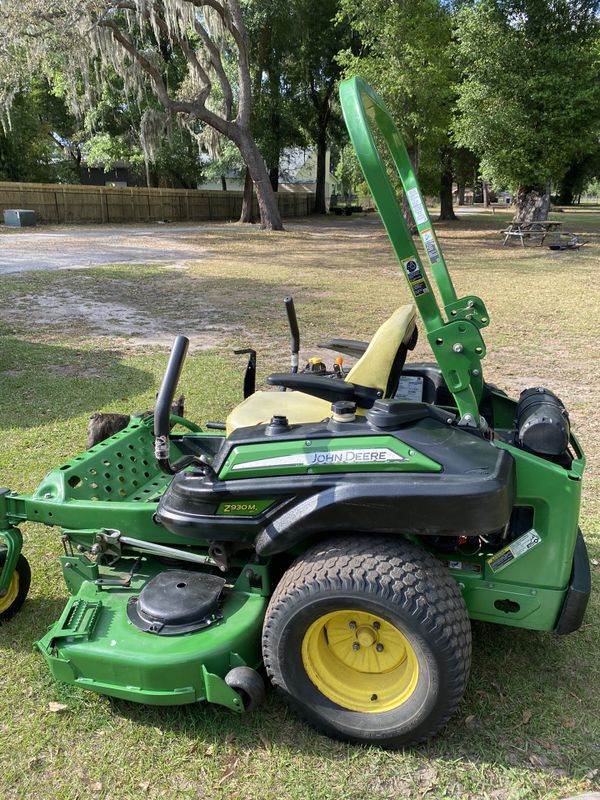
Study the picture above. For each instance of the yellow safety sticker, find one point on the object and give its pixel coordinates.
(514, 550)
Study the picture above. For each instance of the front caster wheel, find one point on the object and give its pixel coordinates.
(248, 683)
(18, 587)
(369, 640)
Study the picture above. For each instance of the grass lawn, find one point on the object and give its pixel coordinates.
(78, 341)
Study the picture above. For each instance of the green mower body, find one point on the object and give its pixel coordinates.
(178, 546)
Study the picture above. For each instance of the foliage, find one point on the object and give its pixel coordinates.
(529, 97)
(228, 163)
(294, 46)
(349, 173)
(405, 55)
(578, 174)
(37, 141)
(274, 33)
(177, 50)
(593, 188)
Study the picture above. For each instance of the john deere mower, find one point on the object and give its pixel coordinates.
(340, 531)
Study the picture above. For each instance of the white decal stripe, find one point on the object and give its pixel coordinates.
(381, 455)
(416, 206)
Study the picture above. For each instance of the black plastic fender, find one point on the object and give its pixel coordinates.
(422, 504)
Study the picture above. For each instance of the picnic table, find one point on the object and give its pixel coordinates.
(532, 231)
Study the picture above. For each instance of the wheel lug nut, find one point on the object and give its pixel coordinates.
(376, 625)
(352, 625)
(356, 646)
(379, 648)
(373, 697)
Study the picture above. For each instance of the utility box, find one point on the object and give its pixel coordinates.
(19, 217)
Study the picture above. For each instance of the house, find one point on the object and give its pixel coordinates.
(297, 173)
(119, 177)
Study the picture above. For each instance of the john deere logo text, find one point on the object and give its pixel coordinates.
(325, 458)
(352, 457)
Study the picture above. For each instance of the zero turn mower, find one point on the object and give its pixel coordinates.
(343, 532)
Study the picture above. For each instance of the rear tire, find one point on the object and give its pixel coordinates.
(12, 601)
(369, 640)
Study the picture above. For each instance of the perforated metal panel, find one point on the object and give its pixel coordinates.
(120, 468)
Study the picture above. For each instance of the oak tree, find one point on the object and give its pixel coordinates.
(529, 98)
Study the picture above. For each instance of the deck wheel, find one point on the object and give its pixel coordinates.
(249, 684)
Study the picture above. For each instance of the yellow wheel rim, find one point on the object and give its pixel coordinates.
(360, 661)
(13, 591)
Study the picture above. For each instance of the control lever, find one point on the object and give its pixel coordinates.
(250, 374)
(294, 335)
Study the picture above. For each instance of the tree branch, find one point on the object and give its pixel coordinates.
(217, 64)
(245, 101)
(191, 56)
(196, 110)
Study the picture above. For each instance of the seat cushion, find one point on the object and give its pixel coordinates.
(373, 367)
(261, 406)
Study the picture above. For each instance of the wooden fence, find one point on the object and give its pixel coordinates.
(55, 203)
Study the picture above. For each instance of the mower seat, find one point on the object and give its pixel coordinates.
(378, 368)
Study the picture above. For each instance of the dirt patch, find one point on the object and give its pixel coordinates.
(71, 311)
(75, 248)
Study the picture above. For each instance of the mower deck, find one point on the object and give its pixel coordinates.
(95, 646)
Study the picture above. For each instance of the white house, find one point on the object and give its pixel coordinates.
(297, 173)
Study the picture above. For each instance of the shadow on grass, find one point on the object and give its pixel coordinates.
(515, 672)
(31, 622)
(42, 383)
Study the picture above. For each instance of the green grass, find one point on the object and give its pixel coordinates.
(529, 725)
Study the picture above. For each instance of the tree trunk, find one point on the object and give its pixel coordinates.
(486, 194)
(446, 209)
(532, 204)
(274, 177)
(151, 177)
(223, 183)
(270, 219)
(320, 199)
(461, 194)
(247, 214)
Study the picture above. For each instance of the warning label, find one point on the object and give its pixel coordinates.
(430, 246)
(410, 387)
(415, 277)
(513, 551)
(416, 206)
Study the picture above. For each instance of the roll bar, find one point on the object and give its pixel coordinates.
(454, 333)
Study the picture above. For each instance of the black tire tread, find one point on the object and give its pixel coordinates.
(395, 570)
